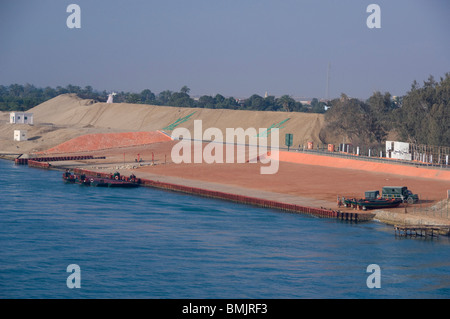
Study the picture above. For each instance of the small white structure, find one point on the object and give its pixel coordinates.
(111, 97)
(398, 150)
(20, 118)
(20, 135)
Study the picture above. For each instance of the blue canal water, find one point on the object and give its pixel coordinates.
(148, 243)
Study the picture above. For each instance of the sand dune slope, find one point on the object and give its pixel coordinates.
(67, 116)
(69, 110)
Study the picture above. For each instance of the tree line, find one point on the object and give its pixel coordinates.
(16, 97)
(23, 97)
(422, 116)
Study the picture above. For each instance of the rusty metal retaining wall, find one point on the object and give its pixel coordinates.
(24, 161)
(37, 164)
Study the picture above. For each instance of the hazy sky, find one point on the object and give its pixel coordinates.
(232, 47)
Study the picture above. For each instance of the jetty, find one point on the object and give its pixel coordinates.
(43, 162)
(26, 161)
(421, 230)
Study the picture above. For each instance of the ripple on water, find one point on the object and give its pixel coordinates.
(147, 243)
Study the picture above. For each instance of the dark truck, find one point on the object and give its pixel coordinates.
(401, 192)
(372, 195)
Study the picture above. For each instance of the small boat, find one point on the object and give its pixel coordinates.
(75, 179)
(106, 182)
(115, 181)
(373, 203)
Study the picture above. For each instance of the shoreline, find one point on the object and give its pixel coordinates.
(291, 203)
(124, 133)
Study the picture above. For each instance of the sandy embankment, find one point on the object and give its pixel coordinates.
(309, 182)
(67, 116)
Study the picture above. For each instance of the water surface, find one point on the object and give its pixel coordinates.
(148, 243)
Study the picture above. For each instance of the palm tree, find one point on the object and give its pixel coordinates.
(185, 89)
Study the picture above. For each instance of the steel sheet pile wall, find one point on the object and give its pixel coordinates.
(21, 161)
(37, 164)
(24, 161)
(63, 158)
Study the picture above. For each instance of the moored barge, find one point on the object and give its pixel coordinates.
(116, 180)
(372, 203)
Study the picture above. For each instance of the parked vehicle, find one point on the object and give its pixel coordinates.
(399, 192)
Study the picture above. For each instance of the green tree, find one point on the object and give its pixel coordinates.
(316, 106)
(16, 90)
(425, 113)
(132, 98)
(73, 88)
(185, 90)
(381, 106)
(227, 103)
(254, 102)
(269, 104)
(181, 99)
(286, 102)
(352, 118)
(147, 97)
(164, 97)
(206, 101)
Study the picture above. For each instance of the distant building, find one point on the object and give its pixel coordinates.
(20, 135)
(398, 150)
(241, 102)
(20, 118)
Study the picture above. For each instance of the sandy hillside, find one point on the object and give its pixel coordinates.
(67, 116)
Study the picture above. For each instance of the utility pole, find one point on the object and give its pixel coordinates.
(328, 82)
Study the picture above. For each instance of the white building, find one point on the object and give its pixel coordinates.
(20, 118)
(398, 150)
(20, 135)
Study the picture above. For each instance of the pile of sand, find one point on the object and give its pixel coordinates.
(102, 141)
(69, 110)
